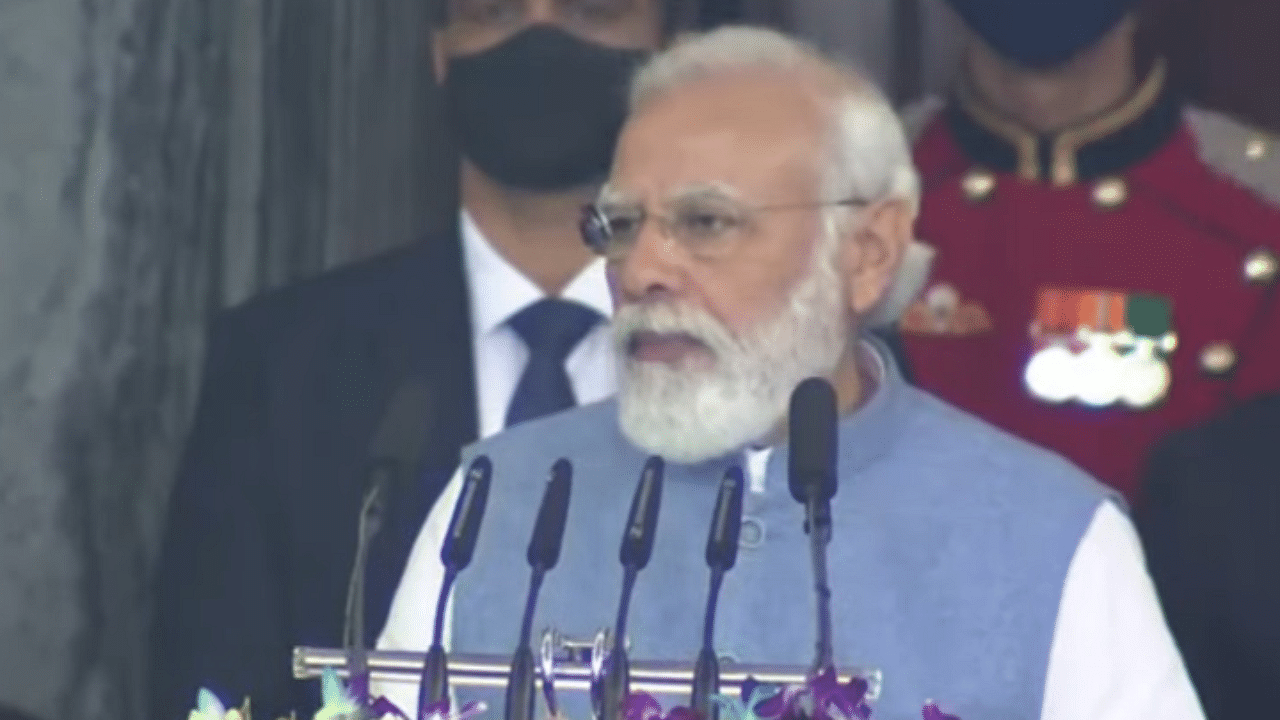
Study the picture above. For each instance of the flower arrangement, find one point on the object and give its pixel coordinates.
(823, 697)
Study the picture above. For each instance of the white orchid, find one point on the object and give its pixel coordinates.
(209, 707)
(337, 702)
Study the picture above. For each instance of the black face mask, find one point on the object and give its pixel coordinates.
(542, 110)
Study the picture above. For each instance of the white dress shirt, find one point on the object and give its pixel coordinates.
(1112, 656)
(498, 291)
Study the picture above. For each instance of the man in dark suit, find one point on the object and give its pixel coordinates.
(504, 321)
(1210, 523)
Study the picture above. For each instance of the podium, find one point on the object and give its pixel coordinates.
(574, 665)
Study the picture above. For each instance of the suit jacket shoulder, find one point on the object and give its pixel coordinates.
(387, 277)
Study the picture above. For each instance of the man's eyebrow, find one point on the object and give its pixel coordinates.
(707, 189)
(611, 195)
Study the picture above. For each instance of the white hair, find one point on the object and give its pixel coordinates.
(869, 155)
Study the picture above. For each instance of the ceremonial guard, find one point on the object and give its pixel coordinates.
(1107, 257)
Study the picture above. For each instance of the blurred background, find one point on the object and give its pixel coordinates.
(163, 159)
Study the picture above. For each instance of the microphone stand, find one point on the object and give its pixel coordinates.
(814, 438)
(637, 547)
(354, 634)
(722, 554)
(459, 545)
(706, 670)
(435, 667)
(543, 554)
(617, 684)
(520, 684)
(818, 526)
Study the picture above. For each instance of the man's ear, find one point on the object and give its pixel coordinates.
(872, 251)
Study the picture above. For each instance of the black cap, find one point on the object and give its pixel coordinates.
(1041, 33)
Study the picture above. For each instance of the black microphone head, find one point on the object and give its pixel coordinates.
(726, 522)
(812, 437)
(548, 530)
(642, 522)
(464, 528)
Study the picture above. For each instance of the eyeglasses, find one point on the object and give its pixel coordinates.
(705, 226)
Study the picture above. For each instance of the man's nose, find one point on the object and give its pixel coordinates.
(655, 267)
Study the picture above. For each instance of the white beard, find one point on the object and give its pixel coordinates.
(690, 416)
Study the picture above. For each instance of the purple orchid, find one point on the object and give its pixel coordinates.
(834, 700)
(931, 712)
(824, 697)
(643, 706)
(440, 710)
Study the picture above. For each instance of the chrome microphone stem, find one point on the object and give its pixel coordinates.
(547, 670)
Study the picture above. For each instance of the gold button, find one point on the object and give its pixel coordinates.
(1110, 193)
(1217, 358)
(1256, 148)
(979, 184)
(1261, 266)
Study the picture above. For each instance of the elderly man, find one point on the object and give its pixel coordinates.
(759, 204)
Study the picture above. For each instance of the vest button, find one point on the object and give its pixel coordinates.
(752, 533)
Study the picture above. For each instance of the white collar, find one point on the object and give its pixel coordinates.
(498, 290)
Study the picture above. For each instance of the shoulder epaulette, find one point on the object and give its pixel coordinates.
(916, 116)
(1244, 154)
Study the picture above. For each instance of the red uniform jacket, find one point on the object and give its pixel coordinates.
(1139, 277)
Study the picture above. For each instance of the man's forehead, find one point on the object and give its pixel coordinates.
(619, 192)
(719, 136)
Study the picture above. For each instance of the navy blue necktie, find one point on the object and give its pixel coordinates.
(551, 329)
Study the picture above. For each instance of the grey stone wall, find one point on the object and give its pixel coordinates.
(161, 159)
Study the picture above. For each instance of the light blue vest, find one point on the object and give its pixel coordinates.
(951, 543)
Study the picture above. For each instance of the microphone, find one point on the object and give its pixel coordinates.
(459, 546)
(395, 449)
(543, 554)
(637, 548)
(722, 553)
(812, 480)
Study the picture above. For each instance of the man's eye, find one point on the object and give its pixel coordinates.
(704, 223)
(623, 225)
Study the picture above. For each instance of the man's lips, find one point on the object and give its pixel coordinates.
(669, 348)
